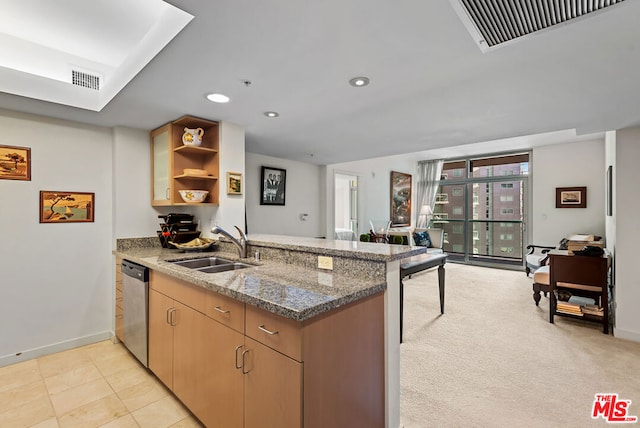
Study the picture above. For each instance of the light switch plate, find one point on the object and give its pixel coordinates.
(325, 262)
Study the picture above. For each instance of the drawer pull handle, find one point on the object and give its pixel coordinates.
(238, 366)
(222, 311)
(172, 317)
(261, 327)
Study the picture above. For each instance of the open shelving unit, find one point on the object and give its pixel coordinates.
(170, 157)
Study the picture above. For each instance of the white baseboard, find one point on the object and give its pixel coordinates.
(626, 334)
(52, 349)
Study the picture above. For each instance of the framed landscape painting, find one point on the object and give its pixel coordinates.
(15, 163)
(66, 207)
(400, 199)
(571, 197)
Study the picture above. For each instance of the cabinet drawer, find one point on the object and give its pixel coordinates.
(189, 294)
(282, 334)
(225, 310)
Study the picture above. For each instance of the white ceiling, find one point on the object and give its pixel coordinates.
(431, 86)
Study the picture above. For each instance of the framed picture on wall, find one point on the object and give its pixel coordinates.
(15, 163)
(66, 207)
(400, 199)
(571, 197)
(234, 183)
(272, 186)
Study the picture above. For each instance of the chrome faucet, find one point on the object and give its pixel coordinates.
(240, 243)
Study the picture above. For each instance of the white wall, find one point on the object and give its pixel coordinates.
(133, 215)
(230, 211)
(302, 196)
(627, 282)
(374, 181)
(56, 288)
(567, 165)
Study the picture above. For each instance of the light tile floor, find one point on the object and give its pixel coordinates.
(99, 385)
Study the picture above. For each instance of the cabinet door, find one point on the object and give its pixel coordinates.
(205, 377)
(160, 337)
(161, 166)
(273, 388)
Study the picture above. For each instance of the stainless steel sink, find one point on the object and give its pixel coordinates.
(211, 264)
(224, 268)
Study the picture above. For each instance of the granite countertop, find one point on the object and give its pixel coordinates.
(328, 247)
(292, 291)
(288, 290)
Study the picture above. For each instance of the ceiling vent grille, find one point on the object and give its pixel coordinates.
(86, 80)
(499, 21)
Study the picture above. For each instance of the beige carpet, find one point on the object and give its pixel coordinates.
(494, 360)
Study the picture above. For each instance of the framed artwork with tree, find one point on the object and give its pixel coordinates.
(15, 163)
(66, 207)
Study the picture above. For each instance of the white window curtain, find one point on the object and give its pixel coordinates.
(428, 182)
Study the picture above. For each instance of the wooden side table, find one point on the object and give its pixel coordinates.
(581, 275)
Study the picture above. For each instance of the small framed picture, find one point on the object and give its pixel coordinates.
(571, 197)
(15, 163)
(234, 183)
(272, 186)
(66, 207)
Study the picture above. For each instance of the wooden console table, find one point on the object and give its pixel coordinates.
(417, 264)
(583, 276)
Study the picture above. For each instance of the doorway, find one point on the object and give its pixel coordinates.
(345, 219)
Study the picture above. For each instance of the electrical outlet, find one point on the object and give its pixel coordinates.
(325, 262)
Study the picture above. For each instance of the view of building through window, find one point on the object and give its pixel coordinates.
(480, 204)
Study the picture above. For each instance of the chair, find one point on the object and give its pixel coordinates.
(537, 267)
(379, 231)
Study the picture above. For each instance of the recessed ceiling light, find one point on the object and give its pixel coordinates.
(359, 81)
(271, 113)
(218, 98)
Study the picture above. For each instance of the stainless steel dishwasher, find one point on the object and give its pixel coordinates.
(135, 297)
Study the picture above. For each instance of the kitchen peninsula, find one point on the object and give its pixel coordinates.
(283, 342)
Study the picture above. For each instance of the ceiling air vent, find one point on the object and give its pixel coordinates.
(86, 80)
(493, 22)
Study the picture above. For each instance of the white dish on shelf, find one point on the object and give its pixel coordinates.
(195, 171)
(193, 196)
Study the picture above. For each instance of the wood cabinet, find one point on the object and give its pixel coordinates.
(170, 157)
(581, 276)
(193, 355)
(235, 365)
(272, 388)
(161, 337)
(119, 306)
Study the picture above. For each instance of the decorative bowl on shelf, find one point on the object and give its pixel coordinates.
(193, 196)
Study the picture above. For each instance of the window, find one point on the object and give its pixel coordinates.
(442, 198)
(457, 248)
(506, 198)
(506, 249)
(506, 236)
(506, 224)
(506, 210)
(458, 172)
(475, 235)
(457, 210)
(457, 191)
(457, 228)
(506, 185)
